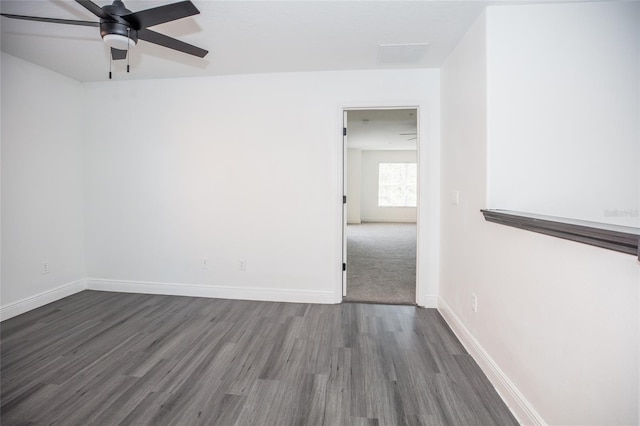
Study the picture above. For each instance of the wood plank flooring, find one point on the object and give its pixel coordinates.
(98, 358)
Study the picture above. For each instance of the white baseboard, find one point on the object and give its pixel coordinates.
(386, 220)
(221, 292)
(20, 307)
(517, 403)
(429, 301)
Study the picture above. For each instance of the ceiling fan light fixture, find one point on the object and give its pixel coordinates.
(118, 41)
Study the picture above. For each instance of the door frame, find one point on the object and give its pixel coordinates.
(343, 191)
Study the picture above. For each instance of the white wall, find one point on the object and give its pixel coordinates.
(557, 323)
(237, 168)
(564, 109)
(369, 196)
(42, 190)
(354, 188)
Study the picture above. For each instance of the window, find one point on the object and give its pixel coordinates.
(397, 184)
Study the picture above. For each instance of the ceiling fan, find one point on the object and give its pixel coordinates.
(410, 134)
(121, 28)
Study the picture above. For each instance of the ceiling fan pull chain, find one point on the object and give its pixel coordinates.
(128, 41)
(110, 62)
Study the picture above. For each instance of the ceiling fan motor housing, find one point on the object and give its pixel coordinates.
(115, 25)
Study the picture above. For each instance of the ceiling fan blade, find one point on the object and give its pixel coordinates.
(52, 20)
(159, 15)
(171, 43)
(117, 54)
(93, 8)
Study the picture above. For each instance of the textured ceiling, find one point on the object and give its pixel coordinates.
(247, 37)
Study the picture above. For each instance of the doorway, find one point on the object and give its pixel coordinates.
(380, 213)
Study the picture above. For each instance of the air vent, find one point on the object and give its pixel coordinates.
(408, 54)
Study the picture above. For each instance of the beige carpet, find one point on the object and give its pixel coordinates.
(381, 263)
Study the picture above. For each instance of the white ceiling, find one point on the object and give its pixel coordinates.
(247, 37)
(382, 129)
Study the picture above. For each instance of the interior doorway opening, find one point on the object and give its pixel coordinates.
(380, 177)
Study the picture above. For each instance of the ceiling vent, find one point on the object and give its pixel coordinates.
(409, 54)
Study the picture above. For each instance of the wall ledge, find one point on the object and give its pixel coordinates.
(623, 239)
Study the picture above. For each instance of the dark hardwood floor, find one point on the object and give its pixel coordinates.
(98, 358)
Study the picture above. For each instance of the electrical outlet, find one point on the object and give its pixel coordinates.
(44, 268)
(474, 302)
(204, 263)
(243, 265)
(455, 197)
